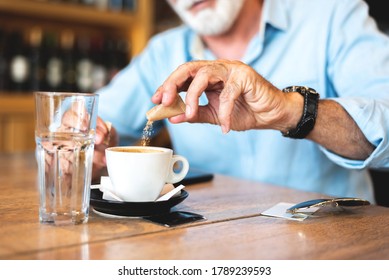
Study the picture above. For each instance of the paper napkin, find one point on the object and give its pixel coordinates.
(279, 211)
(106, 188)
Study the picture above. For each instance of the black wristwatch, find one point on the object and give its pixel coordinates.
(307, 122)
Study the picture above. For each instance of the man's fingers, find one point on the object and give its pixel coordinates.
(213, 78)
(210, 78)
(99, 164)
(227, 99)
(99, 159)
(195, 90)
(107, 138)
(178, 81)
(103, 132)
(75, 119)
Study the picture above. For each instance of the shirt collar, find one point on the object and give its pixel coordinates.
(197, 48)
(274, 13)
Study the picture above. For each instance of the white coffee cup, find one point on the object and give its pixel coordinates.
(138, 173)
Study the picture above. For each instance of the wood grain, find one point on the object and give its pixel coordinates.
(234, 228)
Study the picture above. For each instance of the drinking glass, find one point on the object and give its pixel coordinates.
(65, 126)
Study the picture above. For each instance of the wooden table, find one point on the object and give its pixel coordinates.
(234, 228)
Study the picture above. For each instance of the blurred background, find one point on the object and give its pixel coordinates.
(74, 45)
(66, 45)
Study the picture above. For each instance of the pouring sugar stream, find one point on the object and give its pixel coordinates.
(160, 112)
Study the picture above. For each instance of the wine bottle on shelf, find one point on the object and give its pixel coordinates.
(69, 62)
(3, 61)
(123, 52)
(88, 2)
(71, 1)
(129, 5)
(84, 64)
(116, 55)
(54, 63)
(19, 68)
(99, 70)
(116, 5)
(102, 4)
(111, 59)
(37, 66)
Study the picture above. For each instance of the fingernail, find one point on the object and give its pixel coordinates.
(225, 130)
(157, 92)
(164, 98)
(98, 138)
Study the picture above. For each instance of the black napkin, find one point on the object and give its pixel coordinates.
(175, 218)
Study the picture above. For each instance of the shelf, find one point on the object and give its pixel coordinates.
(66, 12)
(17, 108)
(17, 124)
(12, 103)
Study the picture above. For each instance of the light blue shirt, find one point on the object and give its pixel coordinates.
(332, 46)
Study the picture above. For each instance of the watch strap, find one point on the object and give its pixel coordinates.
(308, 119)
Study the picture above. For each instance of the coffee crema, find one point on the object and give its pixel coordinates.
(135, 150)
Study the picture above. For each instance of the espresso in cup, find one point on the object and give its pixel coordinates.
(138, 173)
(135, 150)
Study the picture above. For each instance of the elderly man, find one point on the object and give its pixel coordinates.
(316, 71)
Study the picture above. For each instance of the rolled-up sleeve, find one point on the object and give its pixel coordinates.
(358, 67)
(372, 117)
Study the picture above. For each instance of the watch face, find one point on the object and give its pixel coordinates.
(312, 91)
(300, 89)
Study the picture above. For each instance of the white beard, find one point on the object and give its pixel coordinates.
(209, 21)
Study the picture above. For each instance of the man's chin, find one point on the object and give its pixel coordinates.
(205, 28)
(208, 24)
(209, 32)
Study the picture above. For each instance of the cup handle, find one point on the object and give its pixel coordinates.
(174, 177)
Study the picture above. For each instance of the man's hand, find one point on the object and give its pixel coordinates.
(106, 136)
(241, 99)
(238, 97)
